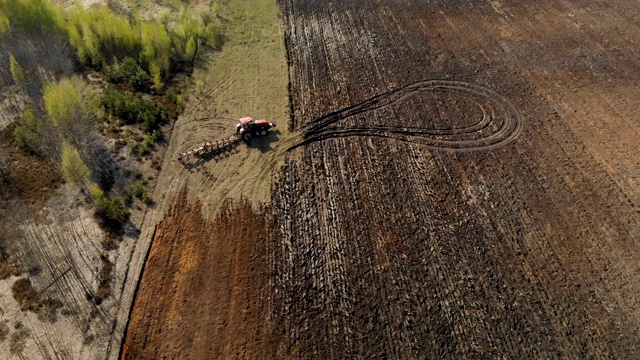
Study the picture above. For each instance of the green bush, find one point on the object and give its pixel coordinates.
(116, 210)
(98, 34)
(155, 46)
(113, 72)
(138, 189)
(111, 210)
(134, 108)
(102, 38)
(147, 199)
(140, 192)
(62, 102)
(134, 73)
(148, 144)
(28, 130)
(179, 98)
(99, 198)
(5, 25)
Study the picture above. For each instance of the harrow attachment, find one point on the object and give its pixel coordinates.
(208, 147)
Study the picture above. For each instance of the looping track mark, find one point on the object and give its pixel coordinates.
(501, 121)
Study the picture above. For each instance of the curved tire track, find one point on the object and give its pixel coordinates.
(501, 121)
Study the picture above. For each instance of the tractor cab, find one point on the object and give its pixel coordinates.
(248, 128)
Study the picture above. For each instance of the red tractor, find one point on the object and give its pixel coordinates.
(248, 128)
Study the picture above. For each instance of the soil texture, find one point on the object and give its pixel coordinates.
(461, 181)
(203, 293)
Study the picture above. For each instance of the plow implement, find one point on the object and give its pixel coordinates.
(208, 147)
(246, 129)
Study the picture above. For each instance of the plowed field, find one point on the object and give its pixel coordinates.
(465, 184)
(232, 289)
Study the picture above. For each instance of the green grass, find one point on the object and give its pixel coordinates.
(248, 75)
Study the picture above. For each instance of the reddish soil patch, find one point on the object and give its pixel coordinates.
(203, 291)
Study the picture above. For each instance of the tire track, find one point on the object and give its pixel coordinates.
(501, 121)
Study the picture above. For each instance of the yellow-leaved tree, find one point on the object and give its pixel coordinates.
(70, 105)
(74, 170)
(16, 71)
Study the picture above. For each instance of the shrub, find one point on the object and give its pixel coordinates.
(29, 299)
(26, 140)
(140, 192)
(151, 140)
(132, 108)
(24, 293)
(111, 210)
(179, 98)
(99, 35)
(157, 77)
(62, 102)
(18, 340)
(148, 144)
(28, 130)
(147, 199)
(191, 49)
(99, 198)
(113, 72)
(138, 189)
(134, 73)
(116, 210)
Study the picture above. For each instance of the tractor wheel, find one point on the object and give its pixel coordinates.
(263, 132)
(246, 136)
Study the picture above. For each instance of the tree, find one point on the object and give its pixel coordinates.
(74, 170)
(5, 26)
(32, 15)
(191, 50)
(16, 71)
(70, 105)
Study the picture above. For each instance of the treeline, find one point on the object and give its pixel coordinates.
(30, 15)
(124, 47)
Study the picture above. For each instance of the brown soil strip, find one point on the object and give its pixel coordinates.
(202, 292)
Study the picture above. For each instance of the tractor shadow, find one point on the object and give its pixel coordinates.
(263, 143)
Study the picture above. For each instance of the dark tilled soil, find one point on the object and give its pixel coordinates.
(492, 213)
(467, 186)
